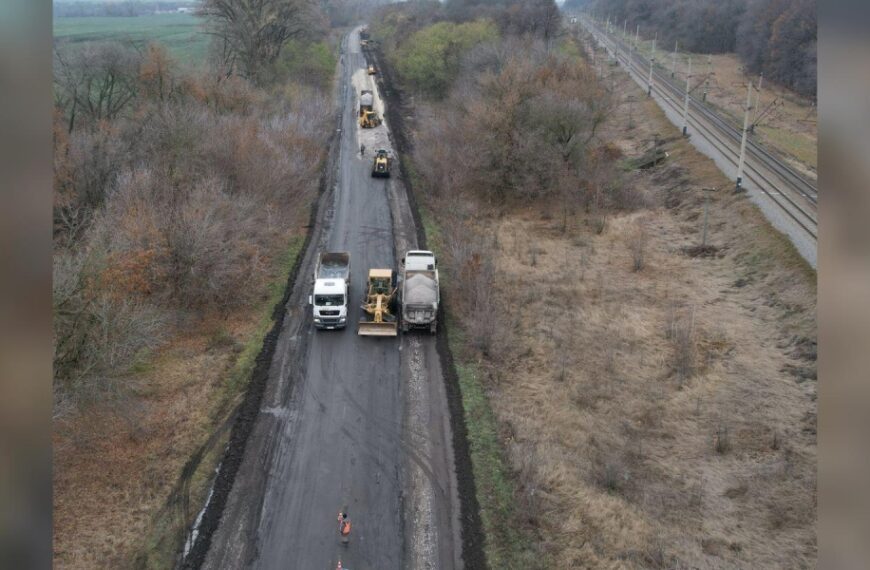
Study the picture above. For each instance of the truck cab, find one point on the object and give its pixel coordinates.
(330, 304)
(331, 290)
(419, 260)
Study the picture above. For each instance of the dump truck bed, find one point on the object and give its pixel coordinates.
(420, 288)
(333, 265)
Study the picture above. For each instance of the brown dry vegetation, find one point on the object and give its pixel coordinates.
(114, 470)
(180, 205)
(669, 412)
(656, 400)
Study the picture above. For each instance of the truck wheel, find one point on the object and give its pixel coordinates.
(432, 328)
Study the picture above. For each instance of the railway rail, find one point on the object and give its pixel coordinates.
(794, 194)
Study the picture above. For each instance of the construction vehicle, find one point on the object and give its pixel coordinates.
(368, 118)
(371, 69)
(331, 290)
(381, 165)
(420, 291)
(379, 308)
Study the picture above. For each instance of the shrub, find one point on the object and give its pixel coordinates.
(429, 61)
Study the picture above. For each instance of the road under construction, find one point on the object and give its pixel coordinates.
(347, 423)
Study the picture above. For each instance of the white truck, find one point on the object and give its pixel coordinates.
(420, 291)
(331, 290)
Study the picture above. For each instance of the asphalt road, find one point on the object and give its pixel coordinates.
(347, 421)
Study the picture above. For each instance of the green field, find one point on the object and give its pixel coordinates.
(182, 34)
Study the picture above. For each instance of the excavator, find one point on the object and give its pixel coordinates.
(381, 166)
(380, 305)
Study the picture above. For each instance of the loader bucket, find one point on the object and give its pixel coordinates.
(369, 328)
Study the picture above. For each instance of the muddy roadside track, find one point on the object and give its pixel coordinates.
(472, 534)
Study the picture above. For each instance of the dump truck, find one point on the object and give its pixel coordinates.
(420, 291)
(331, 290)
(381, 165)
(380, 305)
(368, 118)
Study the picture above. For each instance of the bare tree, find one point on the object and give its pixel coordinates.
(97, 81)
(251, 33)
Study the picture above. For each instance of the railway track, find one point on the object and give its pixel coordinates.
(794, 195)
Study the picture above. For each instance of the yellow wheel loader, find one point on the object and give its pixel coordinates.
(381, 166)
(380, 305)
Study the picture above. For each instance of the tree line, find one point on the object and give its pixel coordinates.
(774, 37)
(176, 192)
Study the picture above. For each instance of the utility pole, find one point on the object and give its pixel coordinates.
(740, 163)
(652, 57)
(757, 102)
(636, 35)
(707, 79)
(686, 102)
(674, 62)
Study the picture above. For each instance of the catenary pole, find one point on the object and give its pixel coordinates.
(742, 159)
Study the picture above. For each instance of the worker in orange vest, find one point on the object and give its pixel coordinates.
(344, 527)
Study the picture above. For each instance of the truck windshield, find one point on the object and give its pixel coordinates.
(329, 300)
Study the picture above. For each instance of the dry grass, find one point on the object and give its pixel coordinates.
(661, 417)
(115, 468)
